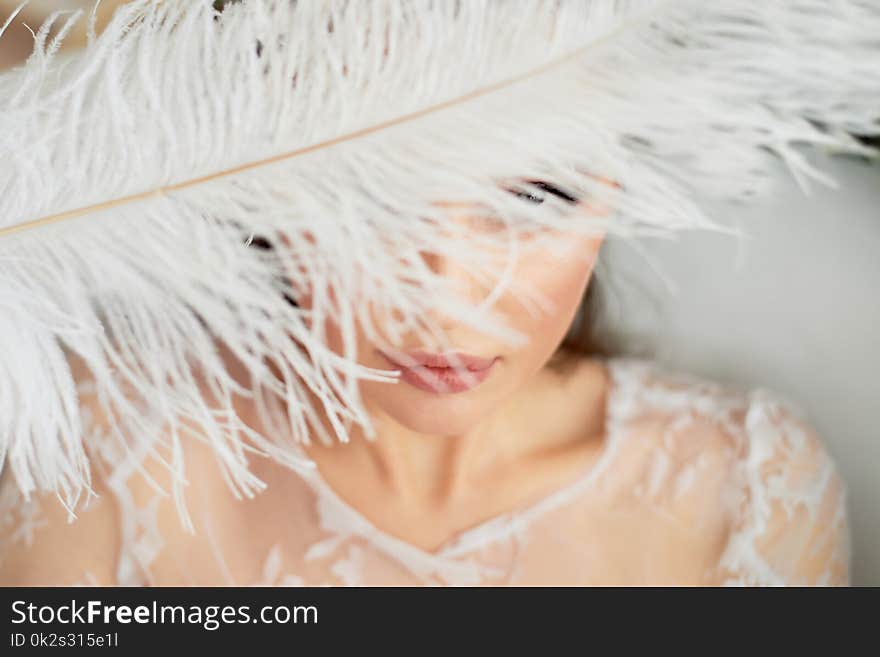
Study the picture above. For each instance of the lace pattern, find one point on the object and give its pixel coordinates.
(698, 483)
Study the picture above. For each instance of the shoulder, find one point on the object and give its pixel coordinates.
(43, 543)
(677, 417)
(754, 424)
(746, 456)
(65, 537)
(791, 525)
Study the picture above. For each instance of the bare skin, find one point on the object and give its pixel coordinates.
(443, 462)
(425, 489)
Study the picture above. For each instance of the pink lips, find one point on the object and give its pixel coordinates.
(441, 373)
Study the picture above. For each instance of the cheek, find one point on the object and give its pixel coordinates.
(550, 279)
(558, 278)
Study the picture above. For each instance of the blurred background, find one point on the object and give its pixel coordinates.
(794, 308)
(16, 43)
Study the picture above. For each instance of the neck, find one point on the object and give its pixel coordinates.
(432, 468)
(433, 471)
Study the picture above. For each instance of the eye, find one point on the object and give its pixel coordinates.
(526, 196)
(538, 191)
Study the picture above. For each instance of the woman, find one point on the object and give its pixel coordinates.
(489, 461)
(550, 466)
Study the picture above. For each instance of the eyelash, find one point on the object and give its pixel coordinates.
(263, 244)
(547, 187)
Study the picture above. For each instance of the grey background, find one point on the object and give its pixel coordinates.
(794, 309)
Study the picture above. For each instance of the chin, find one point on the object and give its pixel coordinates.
(436, 415)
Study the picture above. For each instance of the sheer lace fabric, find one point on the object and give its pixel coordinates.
(697, 484)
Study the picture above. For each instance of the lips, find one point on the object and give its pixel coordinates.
(443, 361)
(448, 372)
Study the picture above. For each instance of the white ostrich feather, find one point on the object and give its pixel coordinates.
(134, 174)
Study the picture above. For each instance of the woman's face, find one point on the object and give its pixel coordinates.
(439, 401)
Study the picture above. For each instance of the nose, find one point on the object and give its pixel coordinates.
(458, 275)
(475, 280)
(470, 281)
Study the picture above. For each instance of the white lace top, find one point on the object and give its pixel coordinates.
(697, 484)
